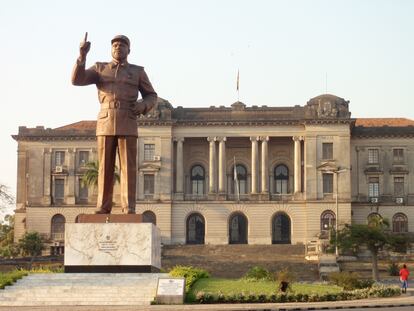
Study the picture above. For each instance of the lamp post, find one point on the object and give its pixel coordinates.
(336, 173)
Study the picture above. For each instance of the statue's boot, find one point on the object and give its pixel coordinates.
(102, 211)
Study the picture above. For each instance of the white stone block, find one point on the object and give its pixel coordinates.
(112, 244)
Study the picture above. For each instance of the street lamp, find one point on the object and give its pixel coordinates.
(336, 173)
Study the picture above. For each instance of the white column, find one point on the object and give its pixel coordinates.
(297, 164)
(212, 165)
(265, 165)
(22, 176)
(70, 194)
(222, 165)
(179, 176)
(255, 154)
(47, 168)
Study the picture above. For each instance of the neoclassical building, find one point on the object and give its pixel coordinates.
(224, 175)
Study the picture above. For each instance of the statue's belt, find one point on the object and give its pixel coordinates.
(118, 105)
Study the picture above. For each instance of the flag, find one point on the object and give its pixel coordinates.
(236, 181)
(238, 79)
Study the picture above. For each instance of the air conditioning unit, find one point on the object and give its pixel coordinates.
(157, 158)
(399, 200)
(374, 200)
(58, 168)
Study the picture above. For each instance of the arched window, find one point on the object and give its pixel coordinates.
(197, 180)
(281, 176)
(149, 217)
(58, 227)
(238, 229)
(195, 229)
(241, 185)
(400, 223)
(281, 229)
(328, 220)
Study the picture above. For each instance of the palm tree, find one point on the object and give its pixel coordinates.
(90, 178)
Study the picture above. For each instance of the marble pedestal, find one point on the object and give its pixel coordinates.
(112, 247)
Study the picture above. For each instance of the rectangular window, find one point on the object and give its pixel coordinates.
(373, 187)
(327, 183)
(398, 155)
(83, 158)
(373, 156)
(59, 189)
(149, 152)
(149, 185)
(83, 191)
(59, 158)
(327, 151)
(398, 186)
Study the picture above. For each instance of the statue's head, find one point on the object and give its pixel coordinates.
(120, 47)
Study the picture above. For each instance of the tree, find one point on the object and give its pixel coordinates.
(31, 244)
(8, 248)
(90, 178)
(375, 236)
(5, 197)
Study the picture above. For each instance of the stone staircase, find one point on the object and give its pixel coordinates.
(233, 261)
(82, 289)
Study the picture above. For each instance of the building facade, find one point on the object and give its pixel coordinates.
(224, 175)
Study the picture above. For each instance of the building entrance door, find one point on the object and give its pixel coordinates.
(238, 229)
(281, 229)
(195, 229)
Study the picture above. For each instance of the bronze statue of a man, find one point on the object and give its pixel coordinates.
(118, 84)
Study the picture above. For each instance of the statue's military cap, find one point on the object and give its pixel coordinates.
(121, 38)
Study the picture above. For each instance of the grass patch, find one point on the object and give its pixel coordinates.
(229, 286)
(9, 278)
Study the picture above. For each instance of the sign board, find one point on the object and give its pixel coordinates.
(171, 290)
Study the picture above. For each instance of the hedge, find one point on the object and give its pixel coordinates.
(373, 292)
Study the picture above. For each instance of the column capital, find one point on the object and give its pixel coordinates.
(212, 139)
(254, 138)
(297, 138)
(221, 138)
(179, 139)
(264, 138)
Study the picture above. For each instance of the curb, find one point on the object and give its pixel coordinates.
(329, 308)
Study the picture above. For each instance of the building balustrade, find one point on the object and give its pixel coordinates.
(57, 236)
(281, 197)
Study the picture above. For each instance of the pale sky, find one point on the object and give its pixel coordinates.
(285, 50)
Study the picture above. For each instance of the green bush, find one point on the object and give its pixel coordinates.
(373, 292)
(190, 274)
(9, 278)
(258, 273)
(393, 269)
(349, 280)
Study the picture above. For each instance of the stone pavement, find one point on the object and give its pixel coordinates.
(404, 300)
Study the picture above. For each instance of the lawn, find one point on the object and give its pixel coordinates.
(231, 286)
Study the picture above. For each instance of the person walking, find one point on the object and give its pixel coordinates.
(404, 273)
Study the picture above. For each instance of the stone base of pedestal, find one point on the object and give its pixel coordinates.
(112, 247)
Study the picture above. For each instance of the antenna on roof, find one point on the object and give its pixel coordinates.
(237, 86)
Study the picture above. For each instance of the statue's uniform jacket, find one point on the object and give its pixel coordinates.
(118, 86)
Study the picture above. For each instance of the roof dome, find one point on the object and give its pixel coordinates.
(327, 106)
